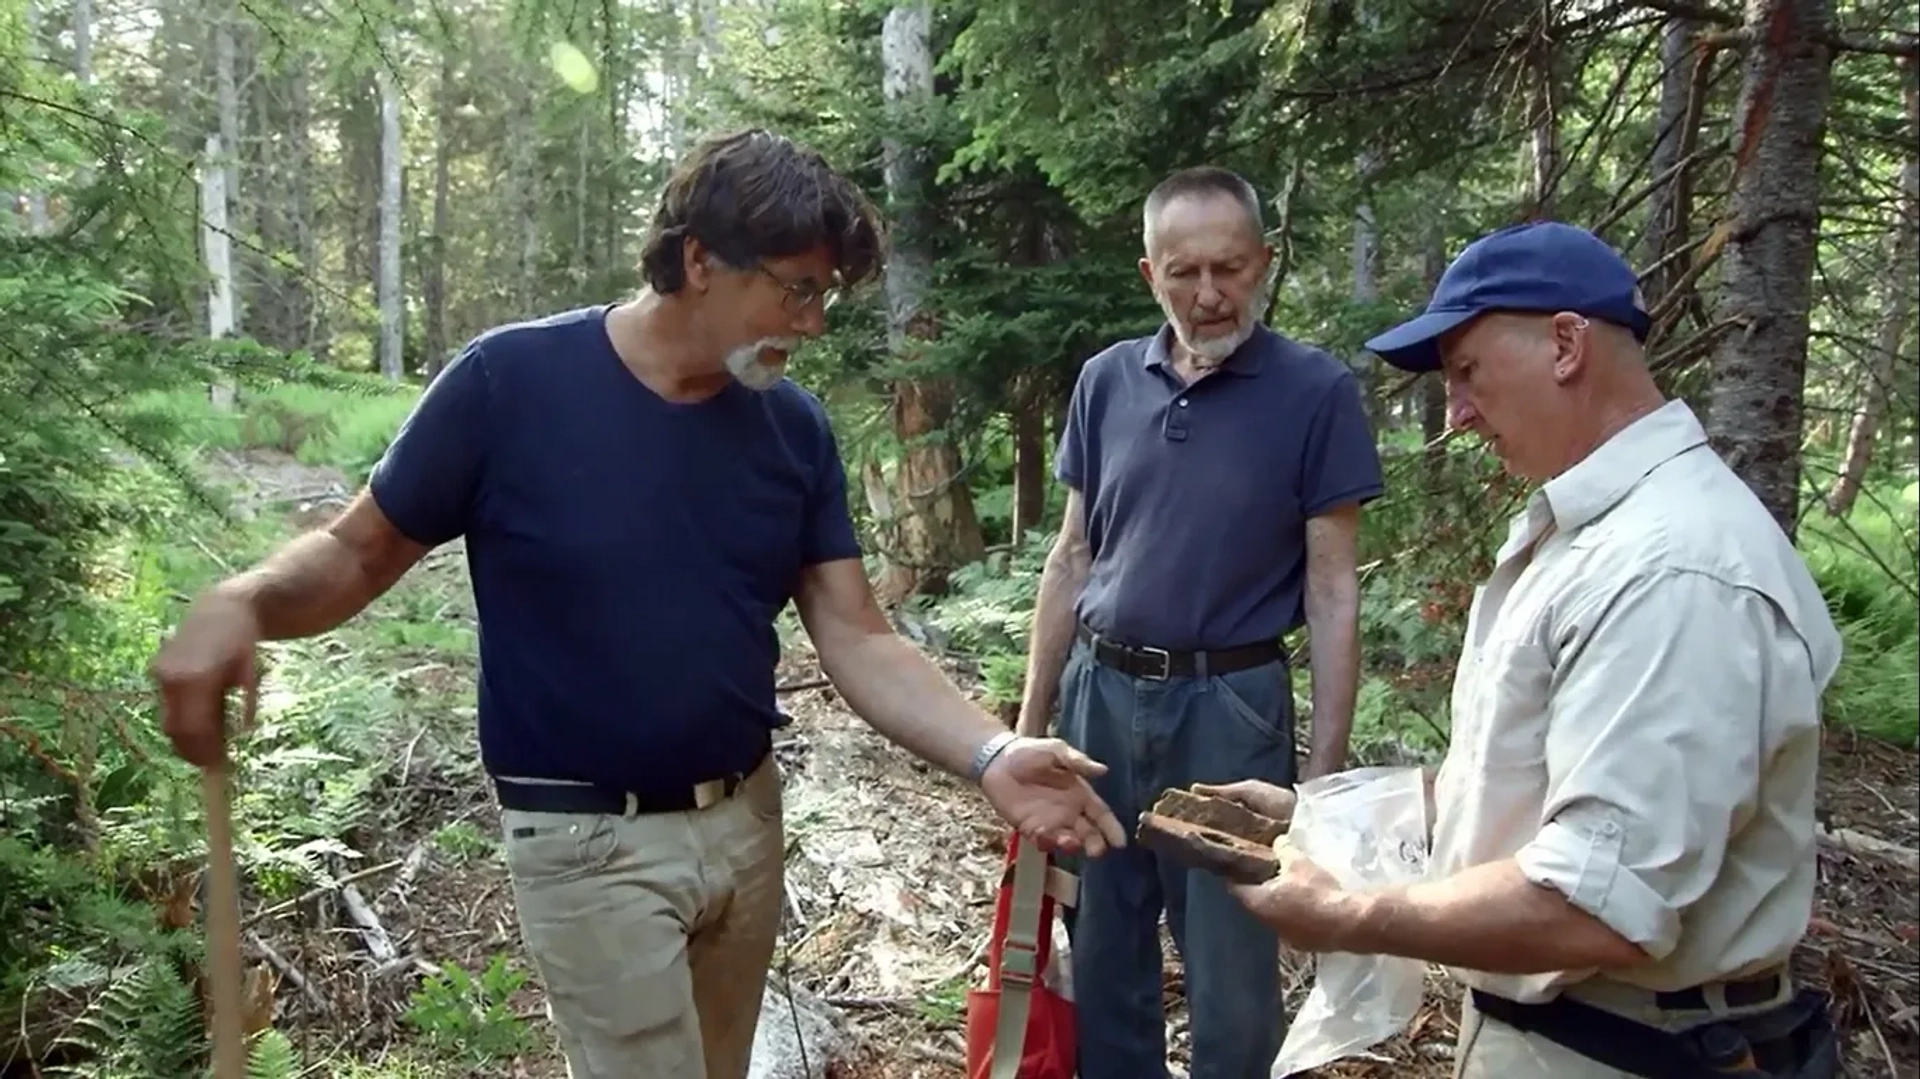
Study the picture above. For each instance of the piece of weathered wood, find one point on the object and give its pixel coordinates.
(1219, 814)
(1239, 860)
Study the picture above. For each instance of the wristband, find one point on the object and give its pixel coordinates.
(985, 755)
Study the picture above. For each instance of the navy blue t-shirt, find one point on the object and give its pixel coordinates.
(1197, 497)
(628, 554)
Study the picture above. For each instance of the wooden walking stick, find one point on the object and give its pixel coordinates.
(223, 915)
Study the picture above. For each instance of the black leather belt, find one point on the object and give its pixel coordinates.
(1159, 664)
(578, 798)
(1750, 992)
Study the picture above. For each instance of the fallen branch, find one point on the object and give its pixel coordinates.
(288, 971)
(361, 913)
(1852, 842)
(805, 683)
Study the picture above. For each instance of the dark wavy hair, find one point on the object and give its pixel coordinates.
(755, 195)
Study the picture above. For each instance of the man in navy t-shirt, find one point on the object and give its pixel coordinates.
(641, 492)
(1215, 472)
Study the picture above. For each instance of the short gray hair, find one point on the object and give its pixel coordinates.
(1204, 181)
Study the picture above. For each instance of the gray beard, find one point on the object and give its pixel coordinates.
(744, 365)
(1214, 352)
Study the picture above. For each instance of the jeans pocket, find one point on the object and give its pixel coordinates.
(1273, 730)
(557, 846)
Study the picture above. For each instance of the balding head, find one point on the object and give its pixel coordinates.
(1201, 185)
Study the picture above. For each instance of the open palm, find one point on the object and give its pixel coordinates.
(1039, 785)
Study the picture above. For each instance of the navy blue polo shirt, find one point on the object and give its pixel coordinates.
(1197, 497)
(628, 554)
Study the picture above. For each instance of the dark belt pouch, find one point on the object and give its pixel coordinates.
(1793, 1041)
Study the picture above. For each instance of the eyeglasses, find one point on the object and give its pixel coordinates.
(802, 294)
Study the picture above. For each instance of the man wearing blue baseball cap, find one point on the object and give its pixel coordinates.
(1623, 838)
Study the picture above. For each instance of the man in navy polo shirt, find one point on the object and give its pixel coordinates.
(1215, 474)
(641, 493)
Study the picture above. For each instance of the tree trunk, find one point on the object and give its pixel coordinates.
(1029, 458)
(435, 285)
(1433, 387)
(1759, 373)
(1542, 119)
(226, 96)
(218, 253)
(937, 529)
(392, 303)
(1666, 214)
(1904, 263)
(299, 162)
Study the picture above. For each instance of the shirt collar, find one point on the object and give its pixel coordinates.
(1595, 485)
(1247, 361)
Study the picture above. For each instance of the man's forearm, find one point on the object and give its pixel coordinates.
(904, 696)
(1333, 626)
(1489, 918)
(306, 588)
(1051, 640)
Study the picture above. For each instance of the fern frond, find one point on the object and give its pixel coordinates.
(273, 1056)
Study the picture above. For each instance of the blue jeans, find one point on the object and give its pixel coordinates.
(1153, 735)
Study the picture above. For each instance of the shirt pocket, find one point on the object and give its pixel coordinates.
(1509, 707)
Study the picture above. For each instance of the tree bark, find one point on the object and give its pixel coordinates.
(1759, 372)
(435, 285)
(392, 303)
(1029, 458)
(937, 528)
(1904, 263)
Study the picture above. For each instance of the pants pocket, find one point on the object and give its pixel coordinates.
(1261, 699)
(557, 846)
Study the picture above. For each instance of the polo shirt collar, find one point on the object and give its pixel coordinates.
(1247, 361)
(1595, 485)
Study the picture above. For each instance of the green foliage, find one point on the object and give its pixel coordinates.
(146, 1023)
(469, 1020)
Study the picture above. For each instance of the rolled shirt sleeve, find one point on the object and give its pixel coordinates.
(1653, 750)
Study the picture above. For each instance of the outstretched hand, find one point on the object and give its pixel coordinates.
(1040, 786)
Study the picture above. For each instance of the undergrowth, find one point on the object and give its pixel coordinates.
(101, 830)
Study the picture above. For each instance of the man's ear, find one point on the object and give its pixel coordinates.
(1572, 345)
(1146, 271)
(696, 264)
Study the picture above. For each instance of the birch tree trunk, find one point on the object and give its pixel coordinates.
(938, 530)
(392, 303)
(1759, 373)
(1904, 264)
(226, 96)
(218, 253)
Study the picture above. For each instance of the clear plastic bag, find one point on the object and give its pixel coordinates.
(1368, 827)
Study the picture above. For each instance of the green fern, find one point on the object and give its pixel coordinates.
(146, 1024)
(273, 1057)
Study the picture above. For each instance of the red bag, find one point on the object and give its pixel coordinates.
(1017, 1027)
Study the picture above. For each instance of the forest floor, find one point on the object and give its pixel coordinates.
(892, 868)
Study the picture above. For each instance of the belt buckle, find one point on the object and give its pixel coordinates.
(1166, 663)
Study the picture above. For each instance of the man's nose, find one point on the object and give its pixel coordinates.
(1460, 411)
(811, 320)
(1209, 295)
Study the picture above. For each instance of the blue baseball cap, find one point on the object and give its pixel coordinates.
(1539, 266)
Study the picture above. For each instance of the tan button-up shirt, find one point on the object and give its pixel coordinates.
(1636, 716)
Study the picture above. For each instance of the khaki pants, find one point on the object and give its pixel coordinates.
(1490, 1049)
(653, 933)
